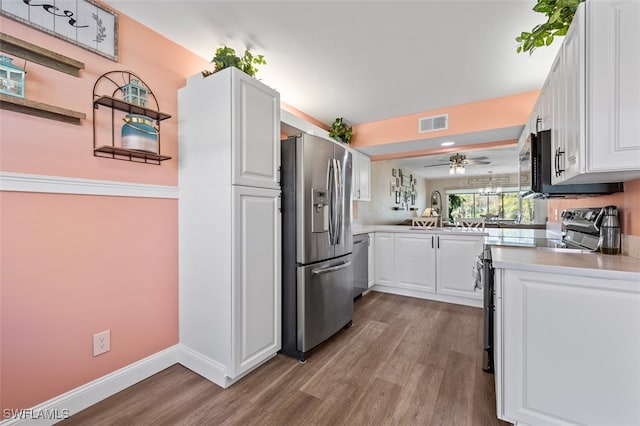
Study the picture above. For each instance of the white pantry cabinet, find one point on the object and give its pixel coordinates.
(436, 266)
(229, 225)
(567, 349)
(594, 92)
(361, 187)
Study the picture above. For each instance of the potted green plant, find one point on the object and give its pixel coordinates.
(226, 57)
(340, 131)
(559, 15)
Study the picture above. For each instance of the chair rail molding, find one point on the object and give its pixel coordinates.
(23, 182)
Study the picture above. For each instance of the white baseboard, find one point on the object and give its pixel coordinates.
(76, 400)
(206, 367)
(429, 296)
(24, 182)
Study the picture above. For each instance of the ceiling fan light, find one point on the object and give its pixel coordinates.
(456, 169)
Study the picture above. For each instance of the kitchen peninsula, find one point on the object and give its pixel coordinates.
(567, 337)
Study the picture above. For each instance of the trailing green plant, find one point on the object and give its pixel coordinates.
(559, 15)
(340, 131)
(226, 57)
(455, 201)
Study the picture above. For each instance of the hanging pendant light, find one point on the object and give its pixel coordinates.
(490, 189)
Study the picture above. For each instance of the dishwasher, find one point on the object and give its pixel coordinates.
(360, 264)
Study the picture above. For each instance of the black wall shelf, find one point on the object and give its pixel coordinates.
(112, 83)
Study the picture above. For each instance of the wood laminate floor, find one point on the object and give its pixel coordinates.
(404, 361)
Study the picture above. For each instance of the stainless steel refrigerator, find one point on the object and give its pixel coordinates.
(317, 244)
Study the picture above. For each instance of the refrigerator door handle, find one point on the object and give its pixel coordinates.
(330, 185)
(331, 268)
(340, 200)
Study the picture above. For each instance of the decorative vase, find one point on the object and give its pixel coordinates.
(138, 133)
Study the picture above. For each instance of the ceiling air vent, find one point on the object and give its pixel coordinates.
(431, 124)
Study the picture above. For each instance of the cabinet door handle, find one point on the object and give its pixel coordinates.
(438, 238)
(432, 238)
(559, 170)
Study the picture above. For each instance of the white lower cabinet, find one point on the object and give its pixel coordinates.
(372, 244)
(456, 258)
(256, 297)
(428, 265)
(415, 262)
(567, 349)
(384, 263)
(230, 285)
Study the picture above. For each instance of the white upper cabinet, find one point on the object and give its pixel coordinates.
(255, 125)
(613, 82)
(361, 187)
(593, 93)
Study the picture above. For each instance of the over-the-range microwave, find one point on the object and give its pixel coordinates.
(535, 173)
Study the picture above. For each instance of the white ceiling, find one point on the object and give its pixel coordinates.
(365, 60)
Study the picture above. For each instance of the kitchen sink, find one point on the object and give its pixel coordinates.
(432, 229)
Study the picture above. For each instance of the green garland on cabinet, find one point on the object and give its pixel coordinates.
(559, 15)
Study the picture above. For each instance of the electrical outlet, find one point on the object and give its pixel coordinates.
(101, 342)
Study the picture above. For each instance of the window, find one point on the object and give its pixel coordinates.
(503, 206)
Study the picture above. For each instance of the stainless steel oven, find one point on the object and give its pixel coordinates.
(489, 309)
(581, 228)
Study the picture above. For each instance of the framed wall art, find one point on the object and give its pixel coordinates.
(81, 22)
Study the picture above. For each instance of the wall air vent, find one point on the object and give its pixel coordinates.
(431, 124)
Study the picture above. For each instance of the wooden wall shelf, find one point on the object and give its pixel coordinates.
(39, 55)
(129, 154)
(39, 109)
(121, 105)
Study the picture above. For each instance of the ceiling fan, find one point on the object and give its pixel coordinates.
(458, 161)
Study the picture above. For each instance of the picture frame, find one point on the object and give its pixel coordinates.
(84, 23)
(393, 172)
(397, 197)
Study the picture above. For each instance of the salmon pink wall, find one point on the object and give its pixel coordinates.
(628, 203)
(303, 115)
(473, 117)
(35, 145)
(75, 265)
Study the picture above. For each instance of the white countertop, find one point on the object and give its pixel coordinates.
(583, 264)
(493, 234)
(363, 229)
